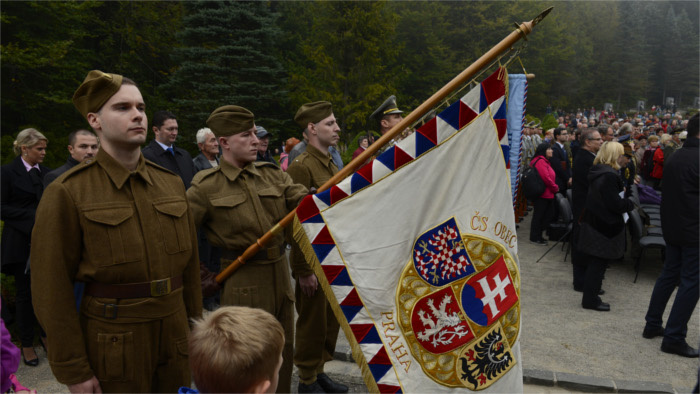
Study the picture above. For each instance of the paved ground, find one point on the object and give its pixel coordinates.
(562, 344)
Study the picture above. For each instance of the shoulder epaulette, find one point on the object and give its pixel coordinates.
(199, 176)
(78, 168)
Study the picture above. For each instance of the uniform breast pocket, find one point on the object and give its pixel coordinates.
(230, 206)
(272, 200)
(112, 234)
(172, 218)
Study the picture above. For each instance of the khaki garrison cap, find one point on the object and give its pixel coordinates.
(388, 107)
(313, 113)
(95, 90)
(229, 120)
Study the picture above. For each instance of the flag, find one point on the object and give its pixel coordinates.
(417, 254)
(515, 116)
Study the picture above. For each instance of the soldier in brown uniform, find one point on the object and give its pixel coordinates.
(317, 327)
(123, 226)
(235, 204)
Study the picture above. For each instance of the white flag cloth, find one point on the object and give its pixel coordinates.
(417, 254)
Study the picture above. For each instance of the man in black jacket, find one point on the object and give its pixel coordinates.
(162, 150)
(680, 224)
(590, 144)
(82, 145)
(560, 160)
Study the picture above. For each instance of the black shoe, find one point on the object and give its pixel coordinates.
(310, 388)
(540, 242)
(329, 385)
(681, 349)
(580, 290)
(32, 363)
(602, 307)
(649, 333)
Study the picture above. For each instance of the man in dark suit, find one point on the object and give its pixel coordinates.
(82, 145)
(590, 143)
(560, 160)
(681, 230)
(209, 150)
(162, 150)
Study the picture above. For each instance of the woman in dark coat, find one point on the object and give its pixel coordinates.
(544, 204)
(22, 187)
(604, 213)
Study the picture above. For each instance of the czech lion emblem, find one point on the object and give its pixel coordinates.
(459, 307)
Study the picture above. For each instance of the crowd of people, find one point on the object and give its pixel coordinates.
(115, 253)
(594, 163)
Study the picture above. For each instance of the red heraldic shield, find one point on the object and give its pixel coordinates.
(489, 294)
(438, 322)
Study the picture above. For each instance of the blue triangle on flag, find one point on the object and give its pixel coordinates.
(325, 196)
(343, 279)
(350, 311)
(451, 115)
(315, 219)
(501, 113)
(379, 370)
(483, 102)
(357, 182)
(423, 144)
(322, 250)
(372, 336)
(387, 158)
(506, 153)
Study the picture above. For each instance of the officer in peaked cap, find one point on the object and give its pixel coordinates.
(387, 115)
(238, 202)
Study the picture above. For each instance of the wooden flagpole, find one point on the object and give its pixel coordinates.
(521, 31)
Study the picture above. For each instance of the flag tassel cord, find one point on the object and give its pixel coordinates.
(467, 74)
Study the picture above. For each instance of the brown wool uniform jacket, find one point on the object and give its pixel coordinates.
(311, 169)
(237, 206)
(103, 223)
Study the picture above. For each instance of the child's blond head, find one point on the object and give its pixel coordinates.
(234, 349)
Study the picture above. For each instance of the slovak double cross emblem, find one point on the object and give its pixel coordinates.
(459, 308)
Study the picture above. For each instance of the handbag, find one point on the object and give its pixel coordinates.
(592, 242)
(533, 185)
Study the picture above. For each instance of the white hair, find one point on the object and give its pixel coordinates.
(202, 134)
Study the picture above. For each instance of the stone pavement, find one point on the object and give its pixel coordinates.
(564, 347)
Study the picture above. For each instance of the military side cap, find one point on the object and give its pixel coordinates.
(313, 112)
(387, 108)
(95, 90)
(229, 120)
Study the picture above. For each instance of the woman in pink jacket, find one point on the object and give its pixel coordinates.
(544, 204)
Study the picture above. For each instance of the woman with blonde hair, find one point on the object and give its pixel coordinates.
(602, 227)
(22, 187)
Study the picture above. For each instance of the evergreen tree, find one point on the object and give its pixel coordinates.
(346, 54)
(227, 57)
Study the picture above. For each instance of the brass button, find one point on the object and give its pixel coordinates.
(115, 339)
(244, 292)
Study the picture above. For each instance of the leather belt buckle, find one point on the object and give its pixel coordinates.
(273, 253)
(160, 287)
(113, 309)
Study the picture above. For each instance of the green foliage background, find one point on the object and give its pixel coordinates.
(271, 57)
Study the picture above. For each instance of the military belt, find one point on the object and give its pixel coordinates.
(155, 288)
(272, 253)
